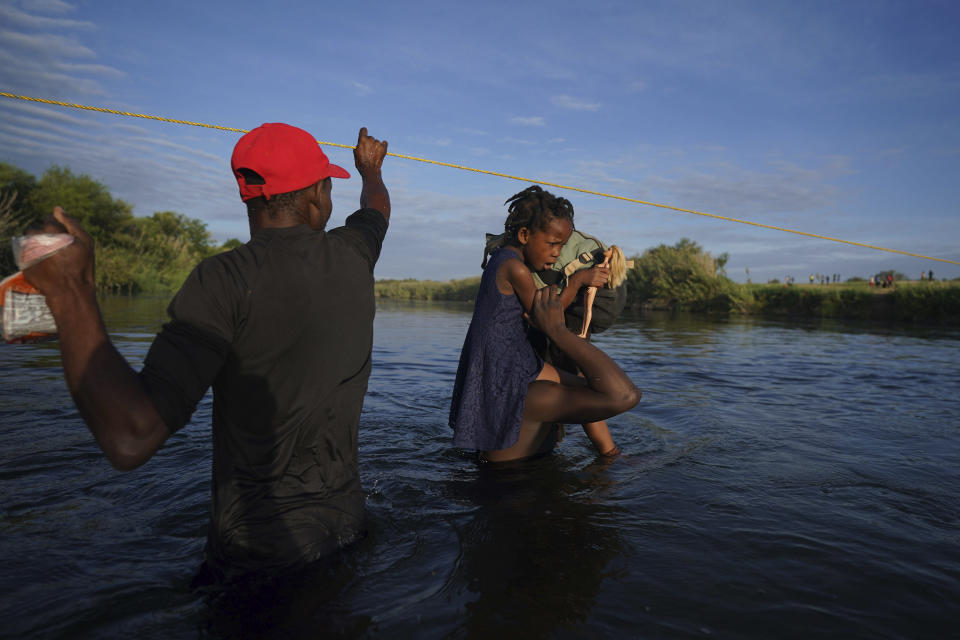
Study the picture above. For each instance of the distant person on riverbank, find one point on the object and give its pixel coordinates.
(288, 370)
(507, 402)
(930, 275)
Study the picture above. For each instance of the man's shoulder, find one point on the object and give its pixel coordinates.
(366, 218)
(229, 260)
(234, 266)
(363, 231)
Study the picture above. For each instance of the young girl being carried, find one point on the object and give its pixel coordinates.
(506, 400)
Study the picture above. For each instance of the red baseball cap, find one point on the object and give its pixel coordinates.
(287, 158)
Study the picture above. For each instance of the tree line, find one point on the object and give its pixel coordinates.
(154, 254)
(149, 254)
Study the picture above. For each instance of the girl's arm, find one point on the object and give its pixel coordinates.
(515, 277)
(608, 392)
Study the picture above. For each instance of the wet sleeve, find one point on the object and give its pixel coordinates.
(188, 353)
(365, 230)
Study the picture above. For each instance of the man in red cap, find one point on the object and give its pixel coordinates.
(281, 328)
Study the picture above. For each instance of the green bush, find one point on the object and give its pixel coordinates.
(84, 199)
(683, 276)
(151, 254)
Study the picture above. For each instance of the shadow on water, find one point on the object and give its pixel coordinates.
(300, 603)
(534, 553)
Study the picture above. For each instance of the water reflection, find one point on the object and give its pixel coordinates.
(779, 477)
(296, 604)
(129, 314)
(663, 323)
(536, 551)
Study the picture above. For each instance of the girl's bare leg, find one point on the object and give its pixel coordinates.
(535, 437)
(599, 435)
(540, 437)
(598, 432)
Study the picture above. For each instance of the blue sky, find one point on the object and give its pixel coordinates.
(835, 118)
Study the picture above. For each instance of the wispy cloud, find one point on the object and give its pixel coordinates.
(738, 191)
(362, 89)
(430, 140)
(92, 69)
(460, 220)
(26, 136)
(891, 152)
(29, 77)
(25, 128)
(13, 17)
(37, 57)
(473, 132)
(918, 85)
(509, 140)
(532, 121)
(576, 104)
(153, 143)
(48, 6)
(47, 113)
(44, 43)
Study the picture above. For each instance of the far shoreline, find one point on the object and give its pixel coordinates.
(906, 301)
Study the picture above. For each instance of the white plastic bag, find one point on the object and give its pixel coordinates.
(31, 249)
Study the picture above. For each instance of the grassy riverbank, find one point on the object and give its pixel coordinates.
(464, 290)
(684, 277)
(906, 301)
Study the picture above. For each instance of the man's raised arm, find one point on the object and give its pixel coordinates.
(368, 156)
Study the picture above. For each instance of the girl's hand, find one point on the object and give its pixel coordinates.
(546, 313)
(594, 277)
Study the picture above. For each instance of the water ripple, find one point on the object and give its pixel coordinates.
(778, 479)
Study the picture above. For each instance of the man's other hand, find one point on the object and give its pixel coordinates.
(71, 268)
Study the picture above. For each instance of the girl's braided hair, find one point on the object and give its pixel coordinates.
(533, 208)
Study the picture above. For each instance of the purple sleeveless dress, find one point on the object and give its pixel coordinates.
(496, 365)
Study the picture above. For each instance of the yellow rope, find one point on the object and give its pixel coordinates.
(491, 173)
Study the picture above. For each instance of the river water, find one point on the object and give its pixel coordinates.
(779, 479)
